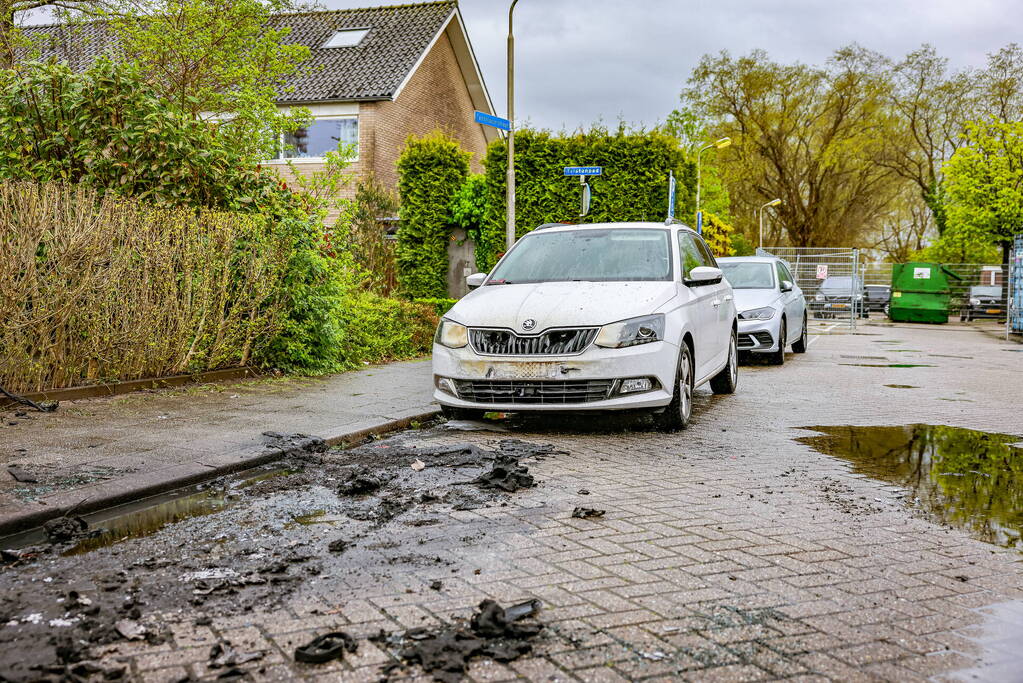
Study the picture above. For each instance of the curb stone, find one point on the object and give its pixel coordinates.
(106, 494)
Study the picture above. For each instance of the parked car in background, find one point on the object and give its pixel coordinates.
(878, 298)
(839, 296)
(984, 301)
(772, 310)
(608, 316)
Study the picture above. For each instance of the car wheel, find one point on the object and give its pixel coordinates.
(677, 413)
(887, 307)
(452, 413)
(799, 346)
(778, 357)
(725, 381)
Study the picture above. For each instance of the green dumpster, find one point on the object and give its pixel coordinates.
(920, 292)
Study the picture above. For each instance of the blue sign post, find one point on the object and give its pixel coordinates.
(699, 222)
(671, 195)
(584, 170)
(492, 121)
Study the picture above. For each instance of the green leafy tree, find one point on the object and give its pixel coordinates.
(468, 208)
(431, 170)
(985, 188)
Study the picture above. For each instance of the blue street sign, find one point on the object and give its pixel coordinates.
(492, 121)
(584, 170)
(671, 195)
(699, 222)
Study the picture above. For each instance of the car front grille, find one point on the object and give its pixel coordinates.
(534, 392)
(551, 343)
(750, 340)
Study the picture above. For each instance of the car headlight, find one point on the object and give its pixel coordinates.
(649, 328)
(819, 297)
(452, 334)
(975, 302)
(765, 313)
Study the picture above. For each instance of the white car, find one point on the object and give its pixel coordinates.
(772, 309)
(611, 316)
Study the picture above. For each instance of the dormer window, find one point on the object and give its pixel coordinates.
(346, 37)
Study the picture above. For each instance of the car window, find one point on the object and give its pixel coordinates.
(689, 253)
(748, 274)
(708, 255)
(788, 273)
(780, 270)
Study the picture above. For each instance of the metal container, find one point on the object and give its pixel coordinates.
(921, 292)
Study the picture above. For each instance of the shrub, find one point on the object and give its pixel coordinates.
(634, 185)
(376, 329)
(367, 242)
(439, 306)
(430, 171)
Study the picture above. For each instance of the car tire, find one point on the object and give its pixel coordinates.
(677, 414)
(778, 357)
(452, 413)
(799, 346)
(725, 381)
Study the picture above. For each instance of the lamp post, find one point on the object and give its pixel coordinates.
(720, 144)
(773, 202)
(510, 199)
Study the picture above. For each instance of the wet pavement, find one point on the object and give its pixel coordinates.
(818, 525)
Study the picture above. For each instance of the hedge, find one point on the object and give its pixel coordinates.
(633, 187)
(430, 171)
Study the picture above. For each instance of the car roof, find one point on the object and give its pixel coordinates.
(554, 227)
(748, 259)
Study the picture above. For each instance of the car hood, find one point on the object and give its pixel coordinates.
(748, 299)
(560, 304)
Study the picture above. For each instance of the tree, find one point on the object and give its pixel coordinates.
(1001, 84)
(811, 136)
(11, 39)
(985, 187)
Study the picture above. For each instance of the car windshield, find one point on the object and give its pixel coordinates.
(748, 275)
(842, 283)
(984, 290)
(615, 255)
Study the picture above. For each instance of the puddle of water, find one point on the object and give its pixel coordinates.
(865, 357)
(886, 365)
(901, 386)
(945, 355)
(997, 638)
(961, 477)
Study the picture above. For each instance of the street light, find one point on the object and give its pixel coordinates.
(720, 144)
(773, 202)
(510, 199)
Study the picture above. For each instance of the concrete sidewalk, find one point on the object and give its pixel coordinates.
(105, 451)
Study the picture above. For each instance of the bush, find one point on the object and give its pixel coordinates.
(372, 251)
(430, 171)
(634, 186)
(375, 329)
(439, 306)
(113, 289)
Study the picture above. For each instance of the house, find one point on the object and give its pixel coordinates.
(375, 76)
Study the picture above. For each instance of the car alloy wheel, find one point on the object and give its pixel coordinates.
(685, 386)
(725, 381)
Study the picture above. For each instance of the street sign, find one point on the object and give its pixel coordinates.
(584, 170)
(671, 195)
(492, 121)
(699, 222)
(822, 271)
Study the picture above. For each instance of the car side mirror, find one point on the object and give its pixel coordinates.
(704, 275)
(786, 286)
(476, 280)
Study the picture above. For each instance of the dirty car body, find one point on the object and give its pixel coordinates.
(587, 317)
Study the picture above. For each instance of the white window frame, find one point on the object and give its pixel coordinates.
(280, 159)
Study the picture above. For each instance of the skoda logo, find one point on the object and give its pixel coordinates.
(528, 324)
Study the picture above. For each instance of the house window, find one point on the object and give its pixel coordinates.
(348, 37)
(323, 135)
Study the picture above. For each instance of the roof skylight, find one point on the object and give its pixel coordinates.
(346, 37)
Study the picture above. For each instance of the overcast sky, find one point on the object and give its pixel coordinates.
(579, 61)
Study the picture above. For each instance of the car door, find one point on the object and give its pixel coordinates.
(723, 303)
(794, 304)
(702, 310)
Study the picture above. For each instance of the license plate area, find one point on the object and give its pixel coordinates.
(527, 370)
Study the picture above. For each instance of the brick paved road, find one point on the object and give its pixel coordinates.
(728, 552)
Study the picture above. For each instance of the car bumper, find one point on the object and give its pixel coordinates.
(758, 336)
(555, 383)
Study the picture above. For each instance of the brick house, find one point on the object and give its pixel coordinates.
(375, 76)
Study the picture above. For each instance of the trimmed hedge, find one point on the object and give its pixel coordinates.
(439, 306)
(634, 186)
(430, 171)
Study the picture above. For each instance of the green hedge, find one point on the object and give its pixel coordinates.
(634, 185)
(430, 171)
(439, 306)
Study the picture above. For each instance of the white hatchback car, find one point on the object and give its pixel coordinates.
(772, 309)
(609, 316)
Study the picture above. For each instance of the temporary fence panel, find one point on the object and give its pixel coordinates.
(1015, 321)
(831, 280)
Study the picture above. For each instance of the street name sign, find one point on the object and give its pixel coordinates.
(492, 121)
(584, 170)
